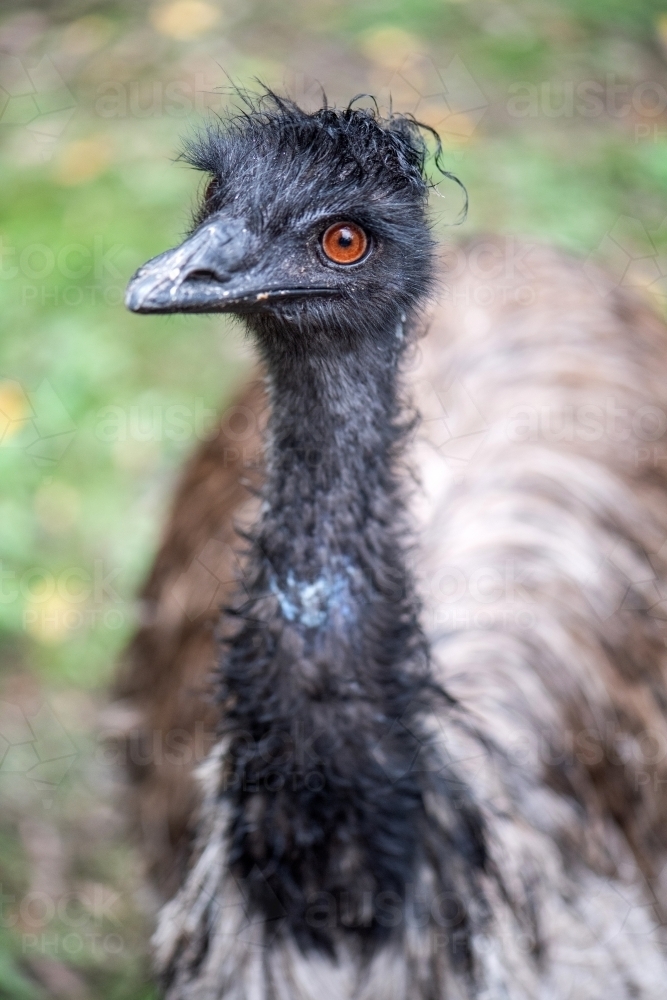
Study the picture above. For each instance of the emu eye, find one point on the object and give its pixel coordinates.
(344, 243)
(211, 189)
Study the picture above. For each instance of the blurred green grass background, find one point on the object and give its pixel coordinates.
(554, 114)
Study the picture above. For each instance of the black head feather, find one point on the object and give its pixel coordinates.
(355, 146)
(285, 175)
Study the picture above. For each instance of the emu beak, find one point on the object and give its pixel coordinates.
(211, 271)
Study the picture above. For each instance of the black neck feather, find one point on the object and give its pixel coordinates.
(328, 670)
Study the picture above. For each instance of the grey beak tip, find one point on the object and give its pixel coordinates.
(133, 297)
(140, 292)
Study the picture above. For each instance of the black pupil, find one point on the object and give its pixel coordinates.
(346, 239)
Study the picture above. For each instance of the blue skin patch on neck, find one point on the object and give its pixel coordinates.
(310, 603)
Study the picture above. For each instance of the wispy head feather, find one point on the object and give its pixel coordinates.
(358, 142)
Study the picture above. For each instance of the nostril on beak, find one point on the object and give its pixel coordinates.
(203, 274)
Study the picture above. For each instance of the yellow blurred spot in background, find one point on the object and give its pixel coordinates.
(184, 18)
(661, 30)
(454, 128)
(83, 159)
(14, 409)
(389, 47)
(49, 620)
(433, 114)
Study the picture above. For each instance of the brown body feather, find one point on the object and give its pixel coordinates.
(542, 560)
(167, 670)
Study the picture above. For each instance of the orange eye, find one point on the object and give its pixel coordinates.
(344, 243)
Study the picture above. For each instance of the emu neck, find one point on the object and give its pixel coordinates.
(329, 655)
(330, 492)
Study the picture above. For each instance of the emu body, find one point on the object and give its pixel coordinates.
(485, 817)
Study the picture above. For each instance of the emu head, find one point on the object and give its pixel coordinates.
(312, 223)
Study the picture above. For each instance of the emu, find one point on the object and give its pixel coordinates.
(439, 687)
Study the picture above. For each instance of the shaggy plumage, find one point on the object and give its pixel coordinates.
(448, 789)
